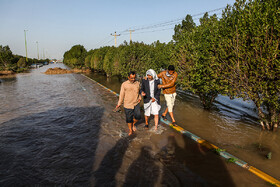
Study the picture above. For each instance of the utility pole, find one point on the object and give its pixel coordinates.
(44, 53)
(130, 31)
(25, 45)
(37, 50)
(115, 38)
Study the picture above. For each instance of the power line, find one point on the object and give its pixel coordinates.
(154, 26)
(104, 40)
(170, 22)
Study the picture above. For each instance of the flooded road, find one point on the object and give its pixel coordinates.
(60, 130)
(231, 124)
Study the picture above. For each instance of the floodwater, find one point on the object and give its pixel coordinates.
(60, 130)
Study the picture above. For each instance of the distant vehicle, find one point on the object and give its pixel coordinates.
(33, 66)
(46, 63)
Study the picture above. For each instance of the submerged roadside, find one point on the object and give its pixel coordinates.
(259, 157)
(60, 130)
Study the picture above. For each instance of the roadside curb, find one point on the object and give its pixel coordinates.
(209, 145)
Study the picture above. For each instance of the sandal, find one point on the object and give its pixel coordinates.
(146, 126)
(164, 117)
(174, 124)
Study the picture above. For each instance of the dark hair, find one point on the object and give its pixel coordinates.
(171, 68)
(131, 73)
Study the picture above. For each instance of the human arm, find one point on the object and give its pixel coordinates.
(142, 90)
(121, 96)
(171, 83)
(157, 91)
(139, 93)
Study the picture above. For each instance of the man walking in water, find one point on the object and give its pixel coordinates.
(130, 97)
(169, 78)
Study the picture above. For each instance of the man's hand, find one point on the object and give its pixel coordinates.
(145, 78)
(139, 98)
(118, 106)
(143, 94)
(153, 99)
(160, 86)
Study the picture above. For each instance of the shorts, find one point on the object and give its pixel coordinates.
(132, 113)
(170, 101)
(151, 108)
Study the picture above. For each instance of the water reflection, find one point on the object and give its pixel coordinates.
(55, 147)
(8, 78)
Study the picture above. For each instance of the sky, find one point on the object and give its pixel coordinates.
(57, 25)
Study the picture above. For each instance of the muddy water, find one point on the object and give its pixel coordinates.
(60, 130)
(231, 124)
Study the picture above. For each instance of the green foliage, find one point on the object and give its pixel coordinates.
(232, 160)
(187, 26)
(21, 63)
(269, 155)
(135, 57)
(9, 61)
(194, 56)
(6, 57)
(88, 59)
(250, 53)
(160, 55)
(75, 57)
(237, 55)
(218, 151)
(108, 65)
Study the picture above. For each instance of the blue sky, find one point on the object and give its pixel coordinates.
(57, 25)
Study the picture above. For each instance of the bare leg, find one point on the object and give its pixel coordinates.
(172, 116)
(130, 129)
(147, 120)
(133, 125)
(156, 121)
(165, 112)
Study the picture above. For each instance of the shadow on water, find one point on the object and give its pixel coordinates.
(111, 163)
(191, 165)
(143, 171)
(56, 147)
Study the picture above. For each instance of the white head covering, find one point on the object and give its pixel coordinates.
(152, 73)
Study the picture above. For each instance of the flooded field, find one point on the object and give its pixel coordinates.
(60, 130)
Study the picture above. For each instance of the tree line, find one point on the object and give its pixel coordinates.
(15, 63)
(236, 55)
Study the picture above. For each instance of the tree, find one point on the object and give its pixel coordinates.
(250, 54)
(21, 63)
(135, 57)
(75, 57)
(108, 65)
(194, 57)
(6, 57)
(187, 25)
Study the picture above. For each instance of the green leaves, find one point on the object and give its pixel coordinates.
(237, 55)
(75, 57)
(253, 42)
